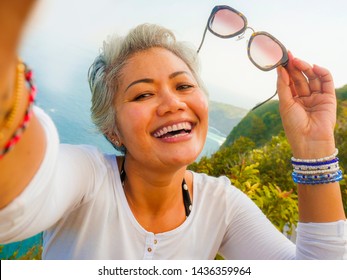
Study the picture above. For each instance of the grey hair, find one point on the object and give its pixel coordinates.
(105, 73)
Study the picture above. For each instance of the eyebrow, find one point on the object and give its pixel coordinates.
(150, 81)
(146, 80)
(175, 74)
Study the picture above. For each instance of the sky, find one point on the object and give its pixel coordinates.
(65, 32)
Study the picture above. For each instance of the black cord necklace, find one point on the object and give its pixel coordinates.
(185, 191)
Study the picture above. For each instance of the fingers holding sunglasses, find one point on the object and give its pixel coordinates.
(312, 79)
(285, 90)
(326, 80)
(304, 80)
(298, 82)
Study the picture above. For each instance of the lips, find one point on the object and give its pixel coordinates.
(175, 130)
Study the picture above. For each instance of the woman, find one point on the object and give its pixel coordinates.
(149, 102)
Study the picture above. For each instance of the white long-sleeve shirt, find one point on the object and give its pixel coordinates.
(77, 199)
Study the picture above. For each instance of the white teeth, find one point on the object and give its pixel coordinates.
(170, 128)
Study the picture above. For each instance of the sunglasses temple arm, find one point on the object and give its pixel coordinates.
(202, 40)
(262, 103)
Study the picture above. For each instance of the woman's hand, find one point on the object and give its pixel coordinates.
(307, 107)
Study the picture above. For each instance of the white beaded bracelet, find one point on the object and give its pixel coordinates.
(318, 171)
(316, 159)
(299, 168)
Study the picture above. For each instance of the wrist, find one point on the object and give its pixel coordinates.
(314, 150)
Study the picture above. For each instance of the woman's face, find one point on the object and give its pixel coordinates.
(162, 114)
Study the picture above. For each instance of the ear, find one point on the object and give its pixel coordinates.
(113, 138)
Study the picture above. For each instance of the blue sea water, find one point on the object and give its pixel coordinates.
(64, 94)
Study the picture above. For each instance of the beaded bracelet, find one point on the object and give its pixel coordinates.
(316, 160)
(28, 114)
(322, 166)
(317, 171)
(318, 176)
(317, 163)
(330, 178)
(10, 116)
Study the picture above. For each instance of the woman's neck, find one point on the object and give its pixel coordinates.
(155, 197)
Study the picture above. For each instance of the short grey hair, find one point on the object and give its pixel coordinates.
(105, 73)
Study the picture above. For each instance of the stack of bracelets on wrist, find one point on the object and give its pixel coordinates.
(22, 71)
(317, 171)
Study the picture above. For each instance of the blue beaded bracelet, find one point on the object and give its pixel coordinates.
(315, 163)
(310, 181)
(316, 176)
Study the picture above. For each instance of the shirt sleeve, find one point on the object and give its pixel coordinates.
(322, 241)
(67, 177)
(250, 235)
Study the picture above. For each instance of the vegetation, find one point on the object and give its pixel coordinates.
(33, 253)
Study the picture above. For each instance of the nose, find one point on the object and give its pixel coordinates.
(170, 102)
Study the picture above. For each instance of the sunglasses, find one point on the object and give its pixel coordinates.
(263, 49)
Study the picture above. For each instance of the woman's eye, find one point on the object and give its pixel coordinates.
(184, 87)
(142, 96)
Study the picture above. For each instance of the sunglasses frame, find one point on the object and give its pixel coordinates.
(224, 7)
(210, 21)
(283, 61)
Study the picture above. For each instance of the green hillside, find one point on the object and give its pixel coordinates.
(258, 125)
(224, 117)
(341, 125)
(342, 93)
(264, 122)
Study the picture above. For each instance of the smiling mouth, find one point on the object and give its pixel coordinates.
(175, 130)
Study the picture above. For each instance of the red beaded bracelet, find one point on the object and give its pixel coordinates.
(16, 136)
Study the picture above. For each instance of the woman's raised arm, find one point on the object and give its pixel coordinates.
(308, 110)
(22, 140)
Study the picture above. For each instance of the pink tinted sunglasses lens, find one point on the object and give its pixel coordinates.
(265, 52)
(226, 23)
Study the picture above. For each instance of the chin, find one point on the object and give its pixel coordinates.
(186, 158)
